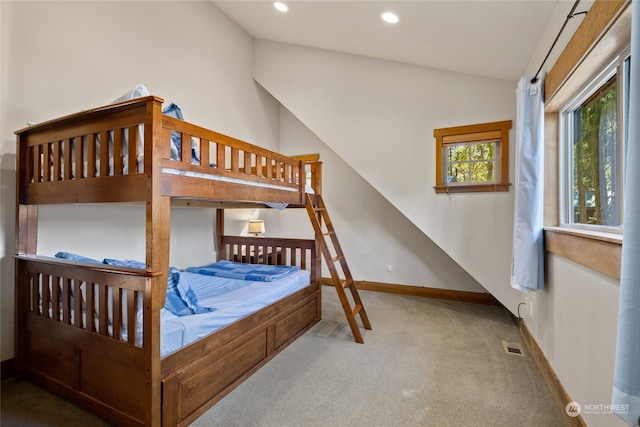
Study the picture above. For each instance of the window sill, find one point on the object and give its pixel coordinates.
(597, 250)
(472, 188)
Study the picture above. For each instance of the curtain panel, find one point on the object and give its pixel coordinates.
(626, 380)
(527, 259)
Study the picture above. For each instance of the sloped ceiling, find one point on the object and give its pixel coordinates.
(473, 37)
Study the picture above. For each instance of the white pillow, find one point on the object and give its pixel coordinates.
(137, 92)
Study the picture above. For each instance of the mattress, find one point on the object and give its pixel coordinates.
(232, 300)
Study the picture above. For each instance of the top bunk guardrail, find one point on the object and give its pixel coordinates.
(112, 153)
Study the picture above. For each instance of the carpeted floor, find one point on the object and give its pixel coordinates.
(426, 362)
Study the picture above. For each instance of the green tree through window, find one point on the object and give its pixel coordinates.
(471, 163)
(595, 158)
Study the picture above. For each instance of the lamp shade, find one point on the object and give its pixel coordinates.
(256, 226)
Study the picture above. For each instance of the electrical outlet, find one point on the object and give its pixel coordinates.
(528, 306)
(389, 268)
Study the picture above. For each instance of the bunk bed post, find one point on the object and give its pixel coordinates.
(26, 243)
(157, 258)
(316, 274)
(26, 229)
(316, 176)
(219, 233)
(26, 215)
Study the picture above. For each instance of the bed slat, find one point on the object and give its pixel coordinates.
(66, 162)
(56, 298)
(205, 152)
(46, 155)
(117, 312)
(235, 160)
(57, 159)
(46, 296)
(185, 147)
(89, 312)
(91, 155)
(66, 301)
(132, 303)
(77, 304)
(132, 134)
(269, 164)
(118, 164)
(103, 310)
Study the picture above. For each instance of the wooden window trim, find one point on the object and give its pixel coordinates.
(602, 34)
(597, 250)
(470, 133)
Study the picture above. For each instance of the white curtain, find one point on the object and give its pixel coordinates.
(527, 256)
(626, 381)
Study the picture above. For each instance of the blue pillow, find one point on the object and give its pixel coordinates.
(175, 303)
(75, 257)
(181, 300)
(125, 263)
(172, 110)
(190, 297)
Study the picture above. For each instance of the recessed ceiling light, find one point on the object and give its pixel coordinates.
(389, 17)
(280, 6)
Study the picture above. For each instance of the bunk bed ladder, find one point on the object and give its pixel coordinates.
(326, 236)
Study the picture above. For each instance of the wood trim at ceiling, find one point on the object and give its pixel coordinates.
(595, 24)
(556, 387)
(419, 291)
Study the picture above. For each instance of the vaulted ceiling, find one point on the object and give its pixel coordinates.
(480, 37)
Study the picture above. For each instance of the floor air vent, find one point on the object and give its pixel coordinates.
(513, 348)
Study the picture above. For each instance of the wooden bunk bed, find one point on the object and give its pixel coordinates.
(121, 153)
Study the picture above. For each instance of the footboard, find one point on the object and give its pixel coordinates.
(79, 333)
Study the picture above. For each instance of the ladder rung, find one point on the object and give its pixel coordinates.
(346, 283)
(319, 209)
(357, 309)
(337, 258)
(328, 233)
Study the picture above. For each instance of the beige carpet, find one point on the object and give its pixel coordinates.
(426, 362)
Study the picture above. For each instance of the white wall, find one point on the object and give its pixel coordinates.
(378, 117)
(575, 324)
(373, 233)
(575, 318)
(61, 57)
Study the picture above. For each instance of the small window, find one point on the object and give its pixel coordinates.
(472, 158)
(592, 164)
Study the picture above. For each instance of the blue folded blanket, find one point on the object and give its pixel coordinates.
(238, 270)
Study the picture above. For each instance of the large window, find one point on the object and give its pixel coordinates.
(593, 150)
